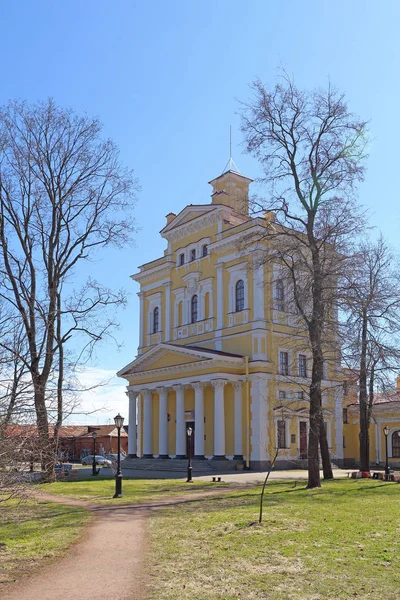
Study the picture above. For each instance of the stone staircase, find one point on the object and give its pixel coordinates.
(176, 465)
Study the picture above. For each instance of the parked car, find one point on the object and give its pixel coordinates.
(100, 460)
(114, 457)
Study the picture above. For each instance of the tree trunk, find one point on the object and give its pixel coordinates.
(324, 448)
(45, 444)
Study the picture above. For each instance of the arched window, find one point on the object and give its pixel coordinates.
(396, 444)
(180, 313)
(204, 250)
(193, 254)
(239, 296)
(193, 306)
(206, 305)
(155, 320)
(181, 259)
(279, 295)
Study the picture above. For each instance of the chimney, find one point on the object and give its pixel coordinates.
(269, 216)
(170, 217)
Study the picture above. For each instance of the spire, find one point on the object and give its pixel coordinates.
(230, 165)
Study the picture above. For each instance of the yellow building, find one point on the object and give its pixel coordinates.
(219, 348)
(385, 414)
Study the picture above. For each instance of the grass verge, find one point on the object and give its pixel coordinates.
(340, 541)
(32, 532)
(135, 491)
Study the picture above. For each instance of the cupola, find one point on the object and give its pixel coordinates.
(231, 188)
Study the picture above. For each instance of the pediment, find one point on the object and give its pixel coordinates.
(171, 356)
(188, 214)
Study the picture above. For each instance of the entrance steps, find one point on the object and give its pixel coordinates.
(199, 466)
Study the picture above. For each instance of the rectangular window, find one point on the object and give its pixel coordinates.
(281, 426)
(302, 365)
(300, 395)
(181, 259)
(282, 395)
(344, 442)
(193, 254)
(293, 438)
(283, 363)
(345, 416)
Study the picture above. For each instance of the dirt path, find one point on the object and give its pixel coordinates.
(108, 562)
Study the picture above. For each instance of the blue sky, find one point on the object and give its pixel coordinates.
(165, 78)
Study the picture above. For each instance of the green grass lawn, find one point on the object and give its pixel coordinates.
(101, 490)
(341, 541)
(32, 532)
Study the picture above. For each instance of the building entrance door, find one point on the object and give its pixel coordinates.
(190, 440)
(303, 439)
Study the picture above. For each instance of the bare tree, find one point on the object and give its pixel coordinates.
(311, 149)
(371, 328)
(63, 194)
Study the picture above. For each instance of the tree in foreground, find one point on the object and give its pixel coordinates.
(311, 149)
(63, 195)
(371, 345)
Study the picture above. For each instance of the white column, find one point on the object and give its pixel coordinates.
(339, 420)
(237, 386)
(180, 421)
(258, 289)
(219, 418)
(139, 427)
(198, 419)
(260, 450)
(167, 328)
(132, 436)
(163, 423)
(148, 424)
(141, 319)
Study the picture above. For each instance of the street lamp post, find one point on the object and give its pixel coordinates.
(189, 432)
(387, 470)
(94, 469)
(119, 421)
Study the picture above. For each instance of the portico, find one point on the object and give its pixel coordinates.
(212, 403)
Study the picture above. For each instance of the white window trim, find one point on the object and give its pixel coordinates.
(236, 273)
(287, 432)
(308, 364)
(154, 301)
(290, 366)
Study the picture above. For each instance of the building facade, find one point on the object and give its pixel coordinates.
(385, 414)
(219, 349)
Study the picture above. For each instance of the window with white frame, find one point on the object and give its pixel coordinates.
(238, 273)
(396, 444)
(193, 309)
(300, 395)
(193, 254)
(281, 434)
(204, 250)
(282, 395)
(302, 365)
(239, 295)
(279, 295)
(181, 259)
(283, 363)
(156, 319)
